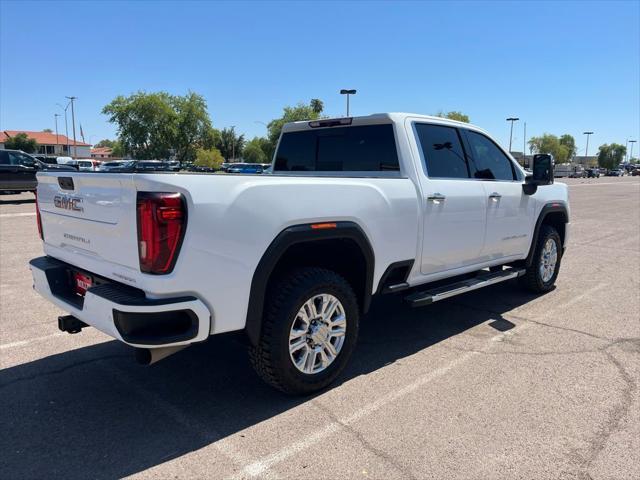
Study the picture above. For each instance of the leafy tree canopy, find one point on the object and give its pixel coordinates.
(47, 130)
(211, 158)
(21, 141)
(569, 142)
(610, 156)
(454, 115)
(155, 125)
(105, 143)
(230, 144)
(548, 143)
(253, 151)
(300, 112)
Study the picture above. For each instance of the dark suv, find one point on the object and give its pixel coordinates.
(18, 171)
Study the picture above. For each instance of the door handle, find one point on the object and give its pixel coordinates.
(436, 198)
(495, 196)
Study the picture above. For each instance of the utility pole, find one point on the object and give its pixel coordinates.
(347, 93)
(55, 116)
(73, 123)
(511, 119)
(524, 146)
(66, 124)
(586, 151)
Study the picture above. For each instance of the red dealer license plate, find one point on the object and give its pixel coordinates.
(82, 283)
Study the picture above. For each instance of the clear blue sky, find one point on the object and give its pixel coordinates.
(563, 67)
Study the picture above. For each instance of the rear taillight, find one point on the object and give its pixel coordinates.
(162, 218)
(38, 219)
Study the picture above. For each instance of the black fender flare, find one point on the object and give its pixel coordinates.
(546, 210)
(301, 234)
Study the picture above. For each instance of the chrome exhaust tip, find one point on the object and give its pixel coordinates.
(149, 356)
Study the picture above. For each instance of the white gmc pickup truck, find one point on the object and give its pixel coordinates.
(355, 207)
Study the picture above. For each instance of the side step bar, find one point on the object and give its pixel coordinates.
(427, 297)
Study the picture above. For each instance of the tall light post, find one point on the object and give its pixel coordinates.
(524, 146)
(586, 150)
(73, 123)
(631, 152)
(347, 93)
(511, 119)
(55, 117)
(66, 124)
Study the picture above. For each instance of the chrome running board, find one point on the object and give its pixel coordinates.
(484, 279)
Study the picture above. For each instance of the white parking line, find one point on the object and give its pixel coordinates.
(607, 183)
(9, 215)
(21, 343)
(260, 467)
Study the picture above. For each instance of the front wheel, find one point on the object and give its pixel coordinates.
(309, 331)
(541, 275)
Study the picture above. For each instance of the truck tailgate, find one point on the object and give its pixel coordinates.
(91, 215)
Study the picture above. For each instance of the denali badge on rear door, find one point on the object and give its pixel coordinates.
(68, 203)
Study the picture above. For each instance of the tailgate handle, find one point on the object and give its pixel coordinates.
(66, 183)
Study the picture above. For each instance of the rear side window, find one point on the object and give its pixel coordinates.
(490, 162)
(370, 148)
(442, 150)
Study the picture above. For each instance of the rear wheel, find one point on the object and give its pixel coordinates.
(541, 275)
(308, 332)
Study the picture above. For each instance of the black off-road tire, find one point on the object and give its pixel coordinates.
(270, 357)
(532, 280)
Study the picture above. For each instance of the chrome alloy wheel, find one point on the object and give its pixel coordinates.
(548, 260)
(317, 333)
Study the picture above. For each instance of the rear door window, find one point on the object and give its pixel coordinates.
(442, 150)
(489, 161)
(370, 148)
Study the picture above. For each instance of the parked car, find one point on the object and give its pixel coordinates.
(124, 166)
(360, 206)
(88, 165)
(593, 173)
(614, 173)
(635, 172)
(244, 168)
(151, 166)
(18, 170)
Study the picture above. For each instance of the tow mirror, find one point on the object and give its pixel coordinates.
(542, 173)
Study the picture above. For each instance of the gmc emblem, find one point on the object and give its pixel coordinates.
(68, 203)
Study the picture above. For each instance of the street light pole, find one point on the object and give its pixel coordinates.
(511, 119)
(631, 153)
(586, 151)
(55, 116)
(66, 124)
(73, 123)
(347, 93)
(524, 146)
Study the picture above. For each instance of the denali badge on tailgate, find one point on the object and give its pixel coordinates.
(68, 203)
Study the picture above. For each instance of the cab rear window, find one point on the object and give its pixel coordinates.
(367, 148)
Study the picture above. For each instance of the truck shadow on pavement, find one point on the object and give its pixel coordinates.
(93, 412)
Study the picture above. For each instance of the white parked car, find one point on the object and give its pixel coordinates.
(88, 165)
(355, 207)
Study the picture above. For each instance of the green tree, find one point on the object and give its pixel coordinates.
(300, 112)
(21, 142)
(610, 156)
(230, 144)
(147, 123)
(117, 150)
(253, 151)
(454, 115)
(316, 105)
(105, 143)
(569, 142)
(47, 130)
(211, 158)
(548, 143)
(193, 126)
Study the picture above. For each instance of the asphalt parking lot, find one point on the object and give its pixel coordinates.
(494, 384)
